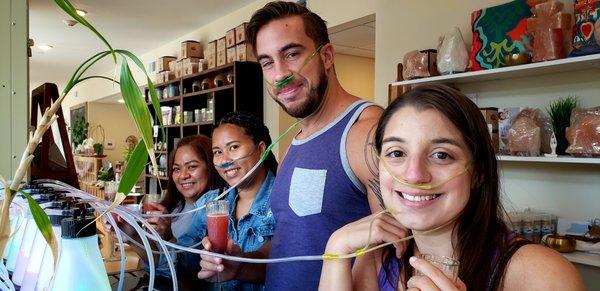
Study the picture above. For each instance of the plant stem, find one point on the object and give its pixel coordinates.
(5, 218)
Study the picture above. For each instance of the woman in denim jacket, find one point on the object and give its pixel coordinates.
(238, 142)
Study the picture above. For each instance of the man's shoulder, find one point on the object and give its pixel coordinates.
(367, 119)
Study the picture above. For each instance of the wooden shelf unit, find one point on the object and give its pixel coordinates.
(244, 94)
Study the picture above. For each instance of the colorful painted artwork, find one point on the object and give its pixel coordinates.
(499, 31)
(587, 12)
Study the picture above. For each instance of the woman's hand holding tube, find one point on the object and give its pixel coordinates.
(354, 236)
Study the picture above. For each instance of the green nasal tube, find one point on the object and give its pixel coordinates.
(283, 82)
(290, 77)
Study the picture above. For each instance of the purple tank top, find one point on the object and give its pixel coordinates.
(314, 194)
(394, 266)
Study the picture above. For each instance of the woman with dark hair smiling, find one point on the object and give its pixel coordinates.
(191, 174)
(439, 178)
(238, 142)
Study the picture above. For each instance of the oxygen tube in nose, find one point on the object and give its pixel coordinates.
(230, 163)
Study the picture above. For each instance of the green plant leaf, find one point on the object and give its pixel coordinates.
(136, 106)
(151, 88)
(81, 69)
(135, 167)
(67, 7)
(43, 223)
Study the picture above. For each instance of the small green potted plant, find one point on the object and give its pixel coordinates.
(560, 113)
(98, 149)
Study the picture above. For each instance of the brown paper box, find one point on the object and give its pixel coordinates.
(162, 64)
(230, 38)
(188, 61)
(221, 58)
(190, 49)
(202, 65)
(221, 44)
(244, 52)
(231, 56)
(211, 47)
(190, 68)
(168, 76)
(178, 68)
(240, 33)
(172, 65)
(211, 60)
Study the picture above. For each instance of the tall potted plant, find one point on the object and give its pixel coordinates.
(560, 113)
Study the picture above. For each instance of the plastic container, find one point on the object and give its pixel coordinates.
(47, 268)
(80, 266)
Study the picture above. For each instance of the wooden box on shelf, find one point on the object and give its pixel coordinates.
(178, 69)
(210, 54)
(230, 38)
(240, 33)
(164, 76)
(162, 64)
(190, 49)
(244, 52)
(189, 66)
(231, 55)
(221, 52)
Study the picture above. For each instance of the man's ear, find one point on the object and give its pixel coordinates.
(327, 55)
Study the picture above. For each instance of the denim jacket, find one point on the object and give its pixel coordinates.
(250, 234)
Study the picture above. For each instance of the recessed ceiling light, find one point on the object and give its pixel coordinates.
(81, 12)
(121, 101)
(45, 47)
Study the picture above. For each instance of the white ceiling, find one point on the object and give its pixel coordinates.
(357, 40)
(137, 25)
(140, 26)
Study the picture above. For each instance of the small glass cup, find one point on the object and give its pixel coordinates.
(217, 223)
(148, 198)
(449, 266)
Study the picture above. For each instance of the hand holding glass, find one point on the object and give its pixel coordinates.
(149, 198)
(449, 266)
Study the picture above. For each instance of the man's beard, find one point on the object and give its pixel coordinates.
(314, 98)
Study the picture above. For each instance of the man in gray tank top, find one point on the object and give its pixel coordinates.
(328, 176)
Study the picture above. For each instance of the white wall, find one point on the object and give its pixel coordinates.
(564, 189)
(339, 12)
(14, 88)
(356, 74)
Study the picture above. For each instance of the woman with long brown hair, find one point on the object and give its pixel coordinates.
(439, 179)
(191, 174)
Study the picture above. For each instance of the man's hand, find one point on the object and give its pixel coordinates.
(210, 266)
